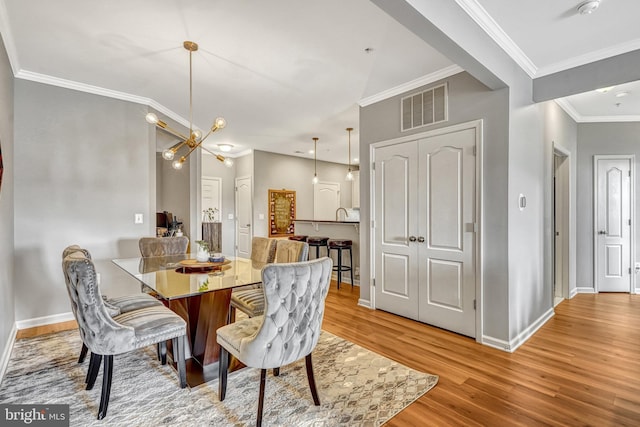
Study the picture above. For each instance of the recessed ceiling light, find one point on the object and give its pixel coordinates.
(588, 7)
(605, 89)
(621, 94)
(225, 147)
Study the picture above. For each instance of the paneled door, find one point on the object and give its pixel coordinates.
(613, 224)
(326, 200)
(244, 217)
(425, 228)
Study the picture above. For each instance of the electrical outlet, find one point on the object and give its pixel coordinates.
(260, 216)
(138, 218)
(230, 216)
(637, 267)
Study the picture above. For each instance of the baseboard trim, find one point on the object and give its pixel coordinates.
(585, 291)
(345, 279)
(6, 354)
(573, 292)
(45, 320)
(364, 303)
(522, 337)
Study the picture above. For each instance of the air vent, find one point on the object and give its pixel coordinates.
(424, 108)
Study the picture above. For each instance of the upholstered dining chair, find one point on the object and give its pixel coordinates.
(106, 336)
(117, 305)
(289, 329)
(251, 301)
(160, 246)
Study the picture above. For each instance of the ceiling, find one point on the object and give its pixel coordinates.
(284, 71)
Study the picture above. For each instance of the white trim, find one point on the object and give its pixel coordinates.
(495, 343)
(585, 290)
(479, 198)
(573, 292)
(364, 303)
(6, 354)
(497, 34)
(411, 85)
(568, 108)
(559, 150)
(530, 331)
(45, 320)
(631, 158)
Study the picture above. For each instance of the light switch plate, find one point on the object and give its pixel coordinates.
(230, 216)
(138, 218)
(260, 216)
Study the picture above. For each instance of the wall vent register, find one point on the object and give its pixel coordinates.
(424, 108)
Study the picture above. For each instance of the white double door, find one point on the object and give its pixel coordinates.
(424, 229)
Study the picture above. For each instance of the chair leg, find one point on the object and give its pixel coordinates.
(94, 366)
(231, 315)
(178, 352)
(162, 352)
(312, 380)
(263, 380)
(276, 372)
(107, 373)
(223, 367)
(83, 353)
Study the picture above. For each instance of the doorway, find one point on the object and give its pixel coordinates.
(614, 202)
(561, 224)
(426, 216)
(244, 216)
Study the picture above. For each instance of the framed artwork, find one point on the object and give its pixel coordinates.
(282, 213)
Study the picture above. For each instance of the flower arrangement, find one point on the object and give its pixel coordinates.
(209, 215)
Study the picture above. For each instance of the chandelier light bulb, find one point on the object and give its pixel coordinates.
(168, 154)
(177, 164)
(196, 134)
(219, 123)
(349, 176)
(151, 118)
(228, 162)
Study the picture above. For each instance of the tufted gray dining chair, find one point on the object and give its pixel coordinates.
(106, 336)
(160, 246)
(117, 305)
(289, 329)
(251, 301)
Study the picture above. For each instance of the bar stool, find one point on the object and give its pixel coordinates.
(299, 238)
(318, 242)
(340, 245)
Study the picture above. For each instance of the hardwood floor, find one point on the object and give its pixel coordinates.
(581, 368)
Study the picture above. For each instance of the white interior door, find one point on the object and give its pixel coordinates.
(244, 217)
(212, 195)
(447, 223)
(326, 200)
(613, 224)
(396, 215)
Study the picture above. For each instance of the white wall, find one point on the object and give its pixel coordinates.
(211, 167)
(600, 138)
(7, 297)
(83, 167)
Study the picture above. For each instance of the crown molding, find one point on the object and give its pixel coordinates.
(578, 118)
(7, 38)
(413, 84)
(481, 17)
(587, 58)
(97, 90)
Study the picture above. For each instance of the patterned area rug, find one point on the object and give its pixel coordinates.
(357, 388)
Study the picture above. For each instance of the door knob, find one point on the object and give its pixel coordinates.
(421, 239)
(248, 225)
(602, 232)
(412, 238)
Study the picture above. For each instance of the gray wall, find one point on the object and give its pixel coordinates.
(468, 100)
(278, 171)
(7, 298)
(600, 138)
(82, 169)
(211, 167)
(175, 191)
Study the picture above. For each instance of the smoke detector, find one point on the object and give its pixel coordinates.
(588, 7)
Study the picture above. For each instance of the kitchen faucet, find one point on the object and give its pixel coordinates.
(346, 214)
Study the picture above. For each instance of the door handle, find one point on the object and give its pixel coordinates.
(421, 239)
(602, 232)
(248, 225)
(412, 238)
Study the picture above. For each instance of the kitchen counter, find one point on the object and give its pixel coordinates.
(327, 221)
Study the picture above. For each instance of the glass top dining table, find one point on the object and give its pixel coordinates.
(200, 293)
(171, 279)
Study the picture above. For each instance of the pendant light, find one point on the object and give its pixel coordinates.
(315, 160)
(349, 176)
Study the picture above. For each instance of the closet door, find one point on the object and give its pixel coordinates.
(396, 209)
(446, 194)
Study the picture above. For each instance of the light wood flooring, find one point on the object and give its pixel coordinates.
(581, 368)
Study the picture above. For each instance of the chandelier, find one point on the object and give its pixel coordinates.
(195, 138)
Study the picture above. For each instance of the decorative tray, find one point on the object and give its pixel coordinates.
(193, 263)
